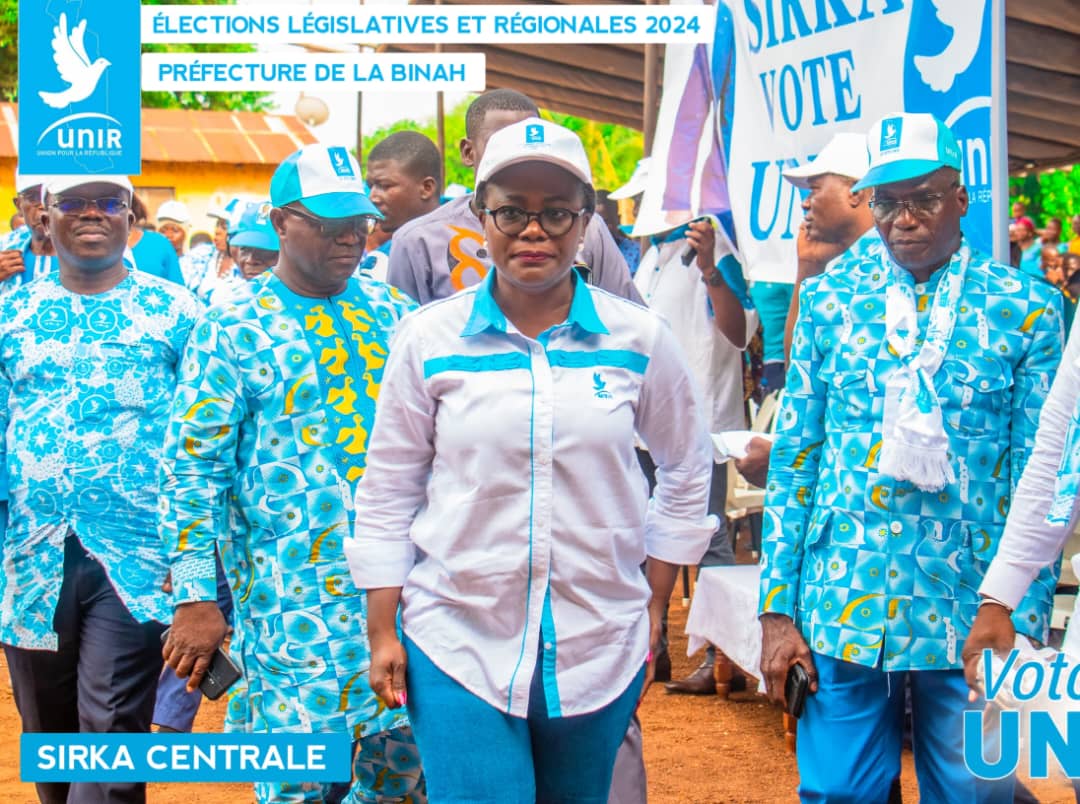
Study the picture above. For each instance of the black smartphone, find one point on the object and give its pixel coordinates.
(796, 688)
(221, 674)
(690, 254)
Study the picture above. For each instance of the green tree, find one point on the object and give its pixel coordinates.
(613, 150)
(232, 101)
(1054, 193)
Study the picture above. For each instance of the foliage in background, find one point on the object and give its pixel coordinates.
(1052, 194)
(232, 101)
(613, 150)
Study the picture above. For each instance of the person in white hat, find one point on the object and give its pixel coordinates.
(918, 371)
(173, 221)
(273, 415)
(26, 247)
(440, 253)
(88, 356)
(837, 226)
(503, 506)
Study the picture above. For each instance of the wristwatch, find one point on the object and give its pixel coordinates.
(715, 279)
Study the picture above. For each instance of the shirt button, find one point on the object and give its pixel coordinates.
(547, 646)
(896, 528)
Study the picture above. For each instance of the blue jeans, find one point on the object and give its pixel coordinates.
(851, 730)
(473, 752)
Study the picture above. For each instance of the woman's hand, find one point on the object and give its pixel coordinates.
(387, 672)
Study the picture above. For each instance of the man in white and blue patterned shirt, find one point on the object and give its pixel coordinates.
(88, 357)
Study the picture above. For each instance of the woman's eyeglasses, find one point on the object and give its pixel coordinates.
(75, 206)
(555, 221)
(333, 228)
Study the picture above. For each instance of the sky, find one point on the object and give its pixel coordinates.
(379, 108)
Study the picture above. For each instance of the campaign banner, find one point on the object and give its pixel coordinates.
(79, 95)
(782, 77)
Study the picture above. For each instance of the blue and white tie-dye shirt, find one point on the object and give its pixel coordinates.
(86, 383)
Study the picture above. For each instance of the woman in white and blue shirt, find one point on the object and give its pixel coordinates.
(504, 507)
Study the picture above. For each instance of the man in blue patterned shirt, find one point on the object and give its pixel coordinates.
(267, 442)
(88, 357)
(917, 375)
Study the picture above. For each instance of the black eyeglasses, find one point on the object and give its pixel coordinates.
(923, 207)
(76, 205)
(333, 228)
(555, 221)
(31, 196)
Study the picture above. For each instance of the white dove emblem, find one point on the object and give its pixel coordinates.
(965, 18)
(339, 162)
(890, 131)
(74, 66)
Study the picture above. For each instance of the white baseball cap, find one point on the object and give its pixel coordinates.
(843, 155)
(173, 210)
(58, 184)
(535, 140)
(906, 146)
(637, 182)
(325, 179)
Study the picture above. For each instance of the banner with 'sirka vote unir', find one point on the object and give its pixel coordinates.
(781, 77)
(79, 87)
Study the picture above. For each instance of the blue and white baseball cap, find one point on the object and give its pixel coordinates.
(325, 179)
(253, 229)
(906, 146)
(534, 140)
(58, 184)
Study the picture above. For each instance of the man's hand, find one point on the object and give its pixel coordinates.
(782, 646)
(701, 237)
(812, 250)
(656, 633)
(993, 628)
(11, 263)
(387, 672)
(755, 466)
(198, 629)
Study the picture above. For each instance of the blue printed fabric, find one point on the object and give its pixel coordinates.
(274, 405)
(85, 388)
(872, 569)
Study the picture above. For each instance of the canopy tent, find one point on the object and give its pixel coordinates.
(621, 83)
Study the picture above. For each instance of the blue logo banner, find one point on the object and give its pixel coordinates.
(79, 87)
(185, 757)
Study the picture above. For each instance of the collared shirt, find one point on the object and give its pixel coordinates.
(267, 440)
(85, 388)
(1029, 542)
(442, 252)
(873, 569)
(503, 492)
(676, 292)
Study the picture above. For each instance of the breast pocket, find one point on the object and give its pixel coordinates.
(976, 394)
(850, 390)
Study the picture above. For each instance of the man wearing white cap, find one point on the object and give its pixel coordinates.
(917, 375)
(837, 225)
(273, 415)
(26, 253)
(88, 360)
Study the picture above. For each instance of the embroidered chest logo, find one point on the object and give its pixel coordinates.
(600, 387)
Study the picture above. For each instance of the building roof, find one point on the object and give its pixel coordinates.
(178, 135)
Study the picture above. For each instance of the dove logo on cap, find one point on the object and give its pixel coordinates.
(339, 159)
(79, 94)
(534, 134)
(890, 134)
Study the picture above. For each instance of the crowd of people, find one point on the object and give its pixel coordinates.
(429, 466)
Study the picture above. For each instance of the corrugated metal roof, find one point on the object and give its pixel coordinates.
(178, 135)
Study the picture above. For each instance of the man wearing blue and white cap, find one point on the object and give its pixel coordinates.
(88, 363)
(254, 246)
(917, 375)
(273, 416)
(26, 253)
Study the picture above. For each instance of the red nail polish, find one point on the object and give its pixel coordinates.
(403, 697)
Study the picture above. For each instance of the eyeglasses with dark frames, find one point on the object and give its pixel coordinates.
(922, 207)
(333, 228)
(76, 205)
(555, 221)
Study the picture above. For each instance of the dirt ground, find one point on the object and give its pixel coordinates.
(698, 749)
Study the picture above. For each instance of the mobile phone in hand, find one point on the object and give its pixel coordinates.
(796, 688)
(222, 673)
(690, 254)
